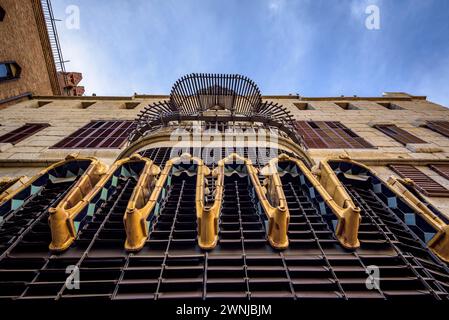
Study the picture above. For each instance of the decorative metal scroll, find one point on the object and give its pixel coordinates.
(196, 93)
(212, 98)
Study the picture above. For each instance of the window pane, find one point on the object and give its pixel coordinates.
(329, 134)
(22, 133)
(398, 134)
(3, 71)
(98, 134)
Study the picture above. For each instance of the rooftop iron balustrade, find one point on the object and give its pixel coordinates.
(86, 196)
(211, 98)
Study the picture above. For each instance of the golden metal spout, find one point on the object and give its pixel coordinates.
(336, 198)
(439, 244)
(144, 199)
(62, 216)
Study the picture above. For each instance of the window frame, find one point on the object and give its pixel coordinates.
(433, 125)
(398, 134)
(330, 135)
(2, 14)
(11, 73)
(424, 183)
(98, 134)
(23, 132)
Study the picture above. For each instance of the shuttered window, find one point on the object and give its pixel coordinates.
(398, 134)
(441, 169)
(97, 135)
(22, 133)
(424, 183)
(442, 127)
(329, 135)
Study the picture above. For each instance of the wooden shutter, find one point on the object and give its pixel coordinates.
(424, 183)
(441, 169)
(329, 135)
(98, 135)
(23, 132)
(398, 134)
(442, 127)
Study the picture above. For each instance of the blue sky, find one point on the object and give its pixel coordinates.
(310, 47)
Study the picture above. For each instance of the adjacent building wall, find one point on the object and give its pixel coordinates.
(25, 41)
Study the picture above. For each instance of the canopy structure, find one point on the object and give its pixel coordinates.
(214, 97)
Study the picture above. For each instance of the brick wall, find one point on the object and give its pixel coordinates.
(22, 42)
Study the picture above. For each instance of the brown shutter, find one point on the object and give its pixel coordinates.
(329, 135)
(23, 132)
(98, 134)
(398, 134)
(441, 169)
(424, 183)
(442, 127)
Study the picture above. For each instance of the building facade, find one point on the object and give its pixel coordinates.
(31, 61)
(216, 191)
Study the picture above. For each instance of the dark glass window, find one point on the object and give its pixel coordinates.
(398, 134)
(23, 132)
(98, 134)
(2, 14)
(9, 71)
(329, 135)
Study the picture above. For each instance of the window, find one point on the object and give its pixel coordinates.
(390, 106)
(441, 169)
(328, 135)
(2, 14)
(86, 104)
(346, 106)
(23, 132)
(303, 106)
(131, 105)
(98, 134)
(398, 134)
(424, 183)
(442, 127)
(9, 71)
